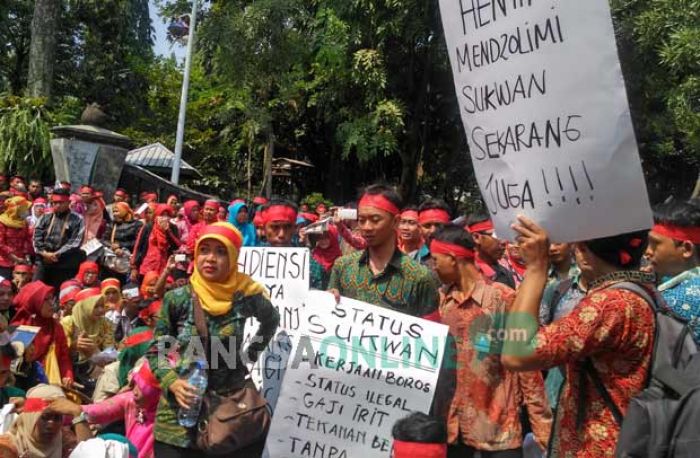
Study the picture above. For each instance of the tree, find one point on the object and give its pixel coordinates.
(42, 51)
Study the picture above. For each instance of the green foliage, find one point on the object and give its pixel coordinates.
(316, 198)
(25, 133)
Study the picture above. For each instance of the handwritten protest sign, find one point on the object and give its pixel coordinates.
(285, 274)
(544, 108)
(366, 367)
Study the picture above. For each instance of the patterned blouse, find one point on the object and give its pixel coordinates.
(682, 294)
(486, 408)
(404, 286)
(176, 322)
(615, 328)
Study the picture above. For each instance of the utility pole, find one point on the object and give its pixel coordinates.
(180, 138)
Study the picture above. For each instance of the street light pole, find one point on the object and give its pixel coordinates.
(179, 139)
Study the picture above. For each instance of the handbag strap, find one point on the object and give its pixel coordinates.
(201, 324)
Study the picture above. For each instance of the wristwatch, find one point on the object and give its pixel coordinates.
(82, 418)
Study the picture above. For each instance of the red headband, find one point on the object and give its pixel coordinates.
(226, 232)
(380, 202)
(451, 249)
(691, 234)
(59, 198)
(482, 226)
(136, 339)
(212, 204)
(23, 268)
(409, 214)
(87, 294)
(36, 405)
(110, 283)
(419, 450)
(86, 188)
(280, 213)
(259, 200)
(121, 192)
(434, 215)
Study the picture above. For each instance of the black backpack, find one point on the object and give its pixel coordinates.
(664, 419)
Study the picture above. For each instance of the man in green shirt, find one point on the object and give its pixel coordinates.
(381, 274)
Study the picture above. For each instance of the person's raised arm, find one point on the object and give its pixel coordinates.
(524, 315)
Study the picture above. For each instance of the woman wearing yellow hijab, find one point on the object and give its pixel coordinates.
(86, 328)
(228, 298)
(15, 239)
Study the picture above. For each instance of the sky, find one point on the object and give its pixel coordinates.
(162, 47)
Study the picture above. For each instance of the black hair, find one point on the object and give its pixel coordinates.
(624, 251)
(383, 190)
(61, 192)
(678, 213)
(478, 217)
(455, 235)
(282, 202)
(421, 428)
(435, 204)
(409, 208)
(9, 351)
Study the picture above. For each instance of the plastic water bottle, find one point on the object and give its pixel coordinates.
(198, 379)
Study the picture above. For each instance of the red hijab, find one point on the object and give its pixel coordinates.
(85, 267)
(327, 256)
(158, 236)
(188, 207)
(28, 303)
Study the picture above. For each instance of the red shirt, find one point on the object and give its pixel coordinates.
(15, 241)
(615, 328)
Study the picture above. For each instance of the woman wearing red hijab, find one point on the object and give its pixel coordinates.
(162, 242)
(34, 305)
(325, 250)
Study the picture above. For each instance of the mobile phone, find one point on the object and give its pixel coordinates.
(131, 293)
(180, 258)
(347, 214)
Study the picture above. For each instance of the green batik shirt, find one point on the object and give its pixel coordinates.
(405, 285)
(176, 321)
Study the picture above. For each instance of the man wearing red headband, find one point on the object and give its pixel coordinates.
(7, 294)
(21, 275)
(381, 274)
(489, 250)
(280, 218)
(674, 255)
(57, 239)
(419, 436)
(210, 212)
(482, 416)
(411, 241)
(432, 215)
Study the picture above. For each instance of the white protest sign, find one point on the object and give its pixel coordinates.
(366, 368)
(285, 274)
(545, 111)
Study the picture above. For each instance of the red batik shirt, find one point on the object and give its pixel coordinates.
(615, 328)
(485, 410)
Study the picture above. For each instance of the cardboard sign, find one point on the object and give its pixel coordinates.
(545, 112)
(285, 274)
(355, 370)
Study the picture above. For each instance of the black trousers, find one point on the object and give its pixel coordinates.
(65, 269)
(464, 451)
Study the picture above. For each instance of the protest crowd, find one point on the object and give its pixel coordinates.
(96, 286)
